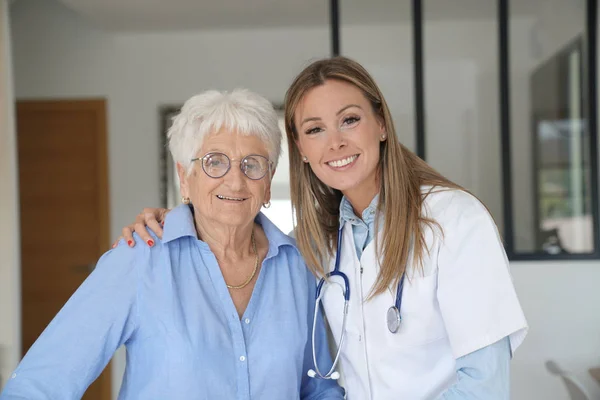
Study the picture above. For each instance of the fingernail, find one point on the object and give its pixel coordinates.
(150, 242)
(130, 243)
(114, 245)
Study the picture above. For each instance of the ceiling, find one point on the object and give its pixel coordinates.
(168, 15)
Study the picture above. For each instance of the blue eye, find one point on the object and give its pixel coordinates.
(313, 130)
(351, 120)
(255, 164)
(216, 161)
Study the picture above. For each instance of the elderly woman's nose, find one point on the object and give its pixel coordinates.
(236, 177)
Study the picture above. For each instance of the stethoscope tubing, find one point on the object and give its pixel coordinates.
(331, 374)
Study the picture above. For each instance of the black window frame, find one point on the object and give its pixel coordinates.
(505, 133)
(503, 21)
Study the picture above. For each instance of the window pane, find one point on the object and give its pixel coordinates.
(461, 95)
(550, 150)
(378, 34)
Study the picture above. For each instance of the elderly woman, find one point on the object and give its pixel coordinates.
(220, 308)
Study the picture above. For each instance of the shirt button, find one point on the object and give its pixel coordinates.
(242, 358)
(13, 376)
(247, 320)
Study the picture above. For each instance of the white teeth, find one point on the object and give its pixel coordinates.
(229, 198)
(341, 163)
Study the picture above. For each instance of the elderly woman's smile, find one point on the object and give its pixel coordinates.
(228, 198)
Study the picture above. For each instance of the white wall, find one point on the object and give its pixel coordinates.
(561, 301)
(58, 55)
(10, 293)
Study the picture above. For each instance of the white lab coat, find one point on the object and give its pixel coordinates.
(463, 301)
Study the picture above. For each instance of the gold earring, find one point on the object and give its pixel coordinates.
(267, 204)
(305, 159)
(185, 200)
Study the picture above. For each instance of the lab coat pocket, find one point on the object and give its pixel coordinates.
(421, 319)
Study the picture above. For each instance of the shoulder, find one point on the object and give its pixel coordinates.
(141, 256)
(464, 222)
(120, 264)
(450, 207)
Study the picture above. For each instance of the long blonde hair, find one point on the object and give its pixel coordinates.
(401, 173)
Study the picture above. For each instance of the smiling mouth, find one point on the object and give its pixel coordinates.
(221, 197)
(343, 162)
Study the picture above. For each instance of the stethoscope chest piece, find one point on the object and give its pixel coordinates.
(393, 319)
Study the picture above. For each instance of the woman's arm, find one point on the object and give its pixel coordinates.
(78, 343)
(477, 300)
(483, 374)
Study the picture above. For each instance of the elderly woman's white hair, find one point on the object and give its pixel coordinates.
(240, 111)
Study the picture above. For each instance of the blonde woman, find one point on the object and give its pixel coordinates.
(419, 295)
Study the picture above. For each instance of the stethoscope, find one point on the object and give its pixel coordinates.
(393, 314)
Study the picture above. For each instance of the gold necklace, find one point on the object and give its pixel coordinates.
(255, 266)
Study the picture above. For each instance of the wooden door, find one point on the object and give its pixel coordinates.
(64, 208)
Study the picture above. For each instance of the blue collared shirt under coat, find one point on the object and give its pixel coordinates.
(482, 374)
(170, 307)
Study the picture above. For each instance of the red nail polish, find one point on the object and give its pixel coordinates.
(150, 242)
(130, 242)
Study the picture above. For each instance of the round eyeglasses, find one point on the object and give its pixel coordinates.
(216, 165)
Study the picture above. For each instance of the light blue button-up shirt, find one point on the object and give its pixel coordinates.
(482, 374)
(170, 307)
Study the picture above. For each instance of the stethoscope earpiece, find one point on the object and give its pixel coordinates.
(335, 375)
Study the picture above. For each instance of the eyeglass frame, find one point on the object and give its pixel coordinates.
(269, 164)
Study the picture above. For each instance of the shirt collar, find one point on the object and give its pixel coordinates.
(347, 212)
(180, 223)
